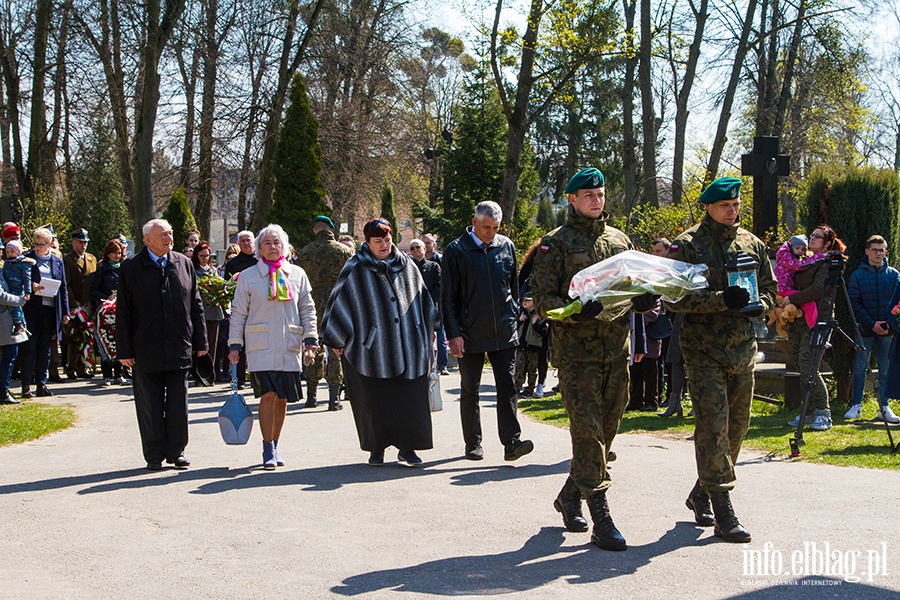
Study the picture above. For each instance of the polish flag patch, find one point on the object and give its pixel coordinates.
(673, 248)
(544, 249)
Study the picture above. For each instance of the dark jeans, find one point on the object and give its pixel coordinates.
(36, 351)
(6, 367)
(160, 400)
(503, 363)
(442, 357)
(645, 383)
(111, 368)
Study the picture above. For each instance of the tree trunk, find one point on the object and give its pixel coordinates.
(648, 116)
(629, 143)
(7, 173)
(189, 81)
(721, 138)
(202, 212)
(157, 35)
(39, 152)
(11, 82)
(789, 70)
(61, 107)
(681, 103)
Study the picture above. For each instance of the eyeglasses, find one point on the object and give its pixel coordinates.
(41, 244)
(878, 250)
(415, 247)
(816, 236)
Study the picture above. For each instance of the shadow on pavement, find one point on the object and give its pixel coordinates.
(541, 560)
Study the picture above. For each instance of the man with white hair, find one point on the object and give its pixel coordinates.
(479, 290)
(159, 328)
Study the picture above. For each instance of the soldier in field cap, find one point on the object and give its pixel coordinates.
(80, 267)
(719, 347)
(591, 355)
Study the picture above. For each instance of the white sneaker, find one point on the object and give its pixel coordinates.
(107, 381)
(822, 421)
(886, 414)
(855, 412)
(539, 391)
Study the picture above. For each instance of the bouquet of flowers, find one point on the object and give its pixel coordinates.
(216, 291)
(105, 328)
(618, 279)
(81, 329)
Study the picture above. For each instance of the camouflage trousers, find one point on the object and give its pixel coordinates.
(526, 367)
(721, 399)
(595, 395)
(799, 338)
(327, 366)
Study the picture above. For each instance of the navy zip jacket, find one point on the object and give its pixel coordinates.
(870, 290)
(480, 293)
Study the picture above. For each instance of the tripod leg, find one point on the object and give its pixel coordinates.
(818, 340)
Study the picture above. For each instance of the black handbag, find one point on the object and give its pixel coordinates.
(659, 329)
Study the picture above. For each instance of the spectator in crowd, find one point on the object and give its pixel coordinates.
(644, 367)
(479, 293)
(431, 252)
(214, 315)
(379, 318)
(159, 328)
(323, 259)
(80, 267)
(429, 240)
(9, 342)
(104, 284)
(273, 317)
(192, 238)
(525, 291)
(45, 313)
(9, 232)
(244, 260)
(348, 241)
(810, 283)
(17, 272)
(870, 289)
(230, 252)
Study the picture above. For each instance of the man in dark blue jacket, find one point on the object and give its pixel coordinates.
(479, 290)
(870, 289)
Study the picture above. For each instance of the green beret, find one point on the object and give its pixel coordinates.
(585, 179)
(324, 219)
(723, 188)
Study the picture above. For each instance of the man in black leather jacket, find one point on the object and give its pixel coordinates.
(479, 291)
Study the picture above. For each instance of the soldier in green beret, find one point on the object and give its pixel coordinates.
(591, 355)
(323, 259)
(719, 347)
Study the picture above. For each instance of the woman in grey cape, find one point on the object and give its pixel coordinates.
(381, 321)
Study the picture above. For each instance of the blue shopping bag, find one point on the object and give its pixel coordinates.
(235, 417)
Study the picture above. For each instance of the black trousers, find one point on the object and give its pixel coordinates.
(503, 363)
(160, 399)
(36, 351)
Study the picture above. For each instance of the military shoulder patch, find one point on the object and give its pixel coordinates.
(673, 247)
(544, 249)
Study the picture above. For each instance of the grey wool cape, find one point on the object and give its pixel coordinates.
(382, 316)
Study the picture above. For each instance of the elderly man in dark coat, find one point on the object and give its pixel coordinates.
(380, 319)
(159, 326)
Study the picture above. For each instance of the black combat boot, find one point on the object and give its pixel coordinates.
(727, 526)
(605, 535)
(311, 390)
(334, 397)
(568, 503)
(698, 501)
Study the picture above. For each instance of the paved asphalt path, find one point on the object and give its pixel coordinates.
(80, 517)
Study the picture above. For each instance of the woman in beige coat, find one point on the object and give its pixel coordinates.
(274, 319)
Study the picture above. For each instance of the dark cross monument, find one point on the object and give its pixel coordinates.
(765, 165)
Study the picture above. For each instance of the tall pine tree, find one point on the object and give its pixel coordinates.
(298, 196)
(387, 209)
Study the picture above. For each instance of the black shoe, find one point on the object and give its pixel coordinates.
(728, 527)
(605, 535)
(311, 403)
(43, 392)
(517, 449)
(154, 465)
(55, 379)
(86, 375)
(611, 456)
(376, 459)
(335, 406)
(648, 408)
(526, 393)
(475, 453)
(71, 375)
(698, 501)
(409, 458)
(180, 462)
(8, 399)
(26, 393)
(568, 504)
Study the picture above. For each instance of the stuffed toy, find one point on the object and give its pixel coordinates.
(782, 316)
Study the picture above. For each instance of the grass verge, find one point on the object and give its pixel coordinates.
(29, 421)
(857, 443)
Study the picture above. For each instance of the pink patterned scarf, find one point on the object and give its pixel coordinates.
(278, 284)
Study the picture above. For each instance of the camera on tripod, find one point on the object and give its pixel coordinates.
(836, 262)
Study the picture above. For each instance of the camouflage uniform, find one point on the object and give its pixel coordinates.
(592, 357)
(323, 259)
(719, 347)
